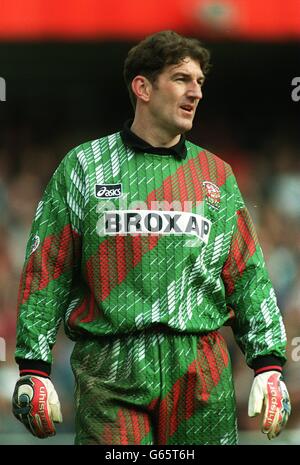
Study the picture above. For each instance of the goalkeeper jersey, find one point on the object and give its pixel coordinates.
(124, 240)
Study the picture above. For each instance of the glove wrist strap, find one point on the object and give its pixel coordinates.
(34, 367)
(267, 363)
(268, 368)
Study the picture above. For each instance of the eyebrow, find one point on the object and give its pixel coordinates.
(185, 74)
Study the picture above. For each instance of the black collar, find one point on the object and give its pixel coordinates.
(136, 143)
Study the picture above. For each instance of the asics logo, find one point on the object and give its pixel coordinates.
(108, 191)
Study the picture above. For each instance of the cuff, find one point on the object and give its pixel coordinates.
(266, 363)
(34, 367)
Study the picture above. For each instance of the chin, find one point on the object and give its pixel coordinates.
(182, 128)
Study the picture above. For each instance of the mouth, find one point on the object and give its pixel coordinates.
(187, 109)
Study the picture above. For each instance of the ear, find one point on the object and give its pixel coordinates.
(141, 87)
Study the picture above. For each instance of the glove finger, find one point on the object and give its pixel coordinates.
(275, 419)
(56, 414)
(54, 406)
(255, 408)
(21, 410)
(22, 396)
(285, 418)
(255, 403)
(270, 425)
(284, 413)
(279, 412)
(40, 417)
(40, 426)
(275, 431)
(278, 426)
(286, 403)
(271, 414)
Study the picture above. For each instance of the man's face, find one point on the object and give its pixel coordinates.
(175, 95)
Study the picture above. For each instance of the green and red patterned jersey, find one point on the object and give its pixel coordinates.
(124, 240)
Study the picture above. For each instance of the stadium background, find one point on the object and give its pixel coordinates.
(62, 64)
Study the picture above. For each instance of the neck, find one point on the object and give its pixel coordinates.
(155, 136)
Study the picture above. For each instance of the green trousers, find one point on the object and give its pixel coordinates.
(154, 388)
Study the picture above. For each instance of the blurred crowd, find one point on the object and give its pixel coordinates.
(269, 179)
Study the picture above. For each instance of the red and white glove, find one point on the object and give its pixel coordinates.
(36, 405)
(269, 392)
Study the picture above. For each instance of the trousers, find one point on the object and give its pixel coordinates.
(154, 388)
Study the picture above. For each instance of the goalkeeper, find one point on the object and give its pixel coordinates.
(143, 247)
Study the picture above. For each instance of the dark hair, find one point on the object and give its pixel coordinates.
(150, 56)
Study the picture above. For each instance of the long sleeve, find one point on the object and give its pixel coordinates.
(257, 323)
(51, 263)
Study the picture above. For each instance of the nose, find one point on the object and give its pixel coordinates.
(195, 90)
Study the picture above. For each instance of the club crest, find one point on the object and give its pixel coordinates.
(212, 194)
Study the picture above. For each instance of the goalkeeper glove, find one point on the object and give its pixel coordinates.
(36, 405)
(269, 391)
